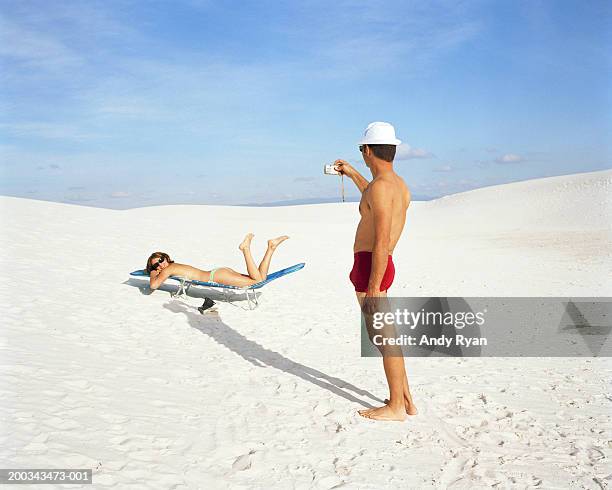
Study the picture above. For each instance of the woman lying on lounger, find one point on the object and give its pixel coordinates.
(160, 267)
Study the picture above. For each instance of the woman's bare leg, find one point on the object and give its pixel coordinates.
(265, 262)
(245, 248)
(225, 275)
(259, 273)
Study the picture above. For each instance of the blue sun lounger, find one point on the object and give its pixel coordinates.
(185, 284)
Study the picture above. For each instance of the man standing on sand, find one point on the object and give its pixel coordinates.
(383, 207)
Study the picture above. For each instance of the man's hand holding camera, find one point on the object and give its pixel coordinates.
(345, 168)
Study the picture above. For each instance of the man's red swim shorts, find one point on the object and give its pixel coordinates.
(362, 266)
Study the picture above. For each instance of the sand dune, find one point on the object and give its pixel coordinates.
(97, 373)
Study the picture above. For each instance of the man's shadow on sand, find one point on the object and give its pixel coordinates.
(260, 356)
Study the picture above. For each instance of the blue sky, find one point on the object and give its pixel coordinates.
(124, 103)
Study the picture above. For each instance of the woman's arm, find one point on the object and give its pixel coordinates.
(157, 277)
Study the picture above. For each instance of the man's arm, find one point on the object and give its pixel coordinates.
(157, 278)
(347, 169)
(381, 202)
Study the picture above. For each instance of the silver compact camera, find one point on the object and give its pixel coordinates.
(330, 170)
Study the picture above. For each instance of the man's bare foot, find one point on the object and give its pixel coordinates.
(246, 243)
(385, 413)
(275, 242)
(409, 404)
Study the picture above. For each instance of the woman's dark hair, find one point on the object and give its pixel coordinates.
(157, 255)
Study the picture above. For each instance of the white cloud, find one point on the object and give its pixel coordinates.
(510, 158)
(443, 168)
(406, 152)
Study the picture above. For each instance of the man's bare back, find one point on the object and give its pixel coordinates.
(364, 236)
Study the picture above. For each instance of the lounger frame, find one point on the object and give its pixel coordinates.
(185, 284)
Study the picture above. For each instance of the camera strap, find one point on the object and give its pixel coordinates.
(342, 185)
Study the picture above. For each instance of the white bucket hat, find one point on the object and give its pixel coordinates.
(379, 133)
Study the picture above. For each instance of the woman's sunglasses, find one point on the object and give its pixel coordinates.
(157, 264)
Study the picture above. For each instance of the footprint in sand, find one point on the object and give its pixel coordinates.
(343, 470)
(261, 409)
(120, 440)
(595, 455)
(322, 409)
(301, 473)
(243, 462)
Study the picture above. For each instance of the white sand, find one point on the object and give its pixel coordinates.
(149, 393)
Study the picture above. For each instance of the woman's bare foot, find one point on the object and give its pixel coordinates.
(409, 404)
(385, 413)
(246, 243)
(275, 242)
